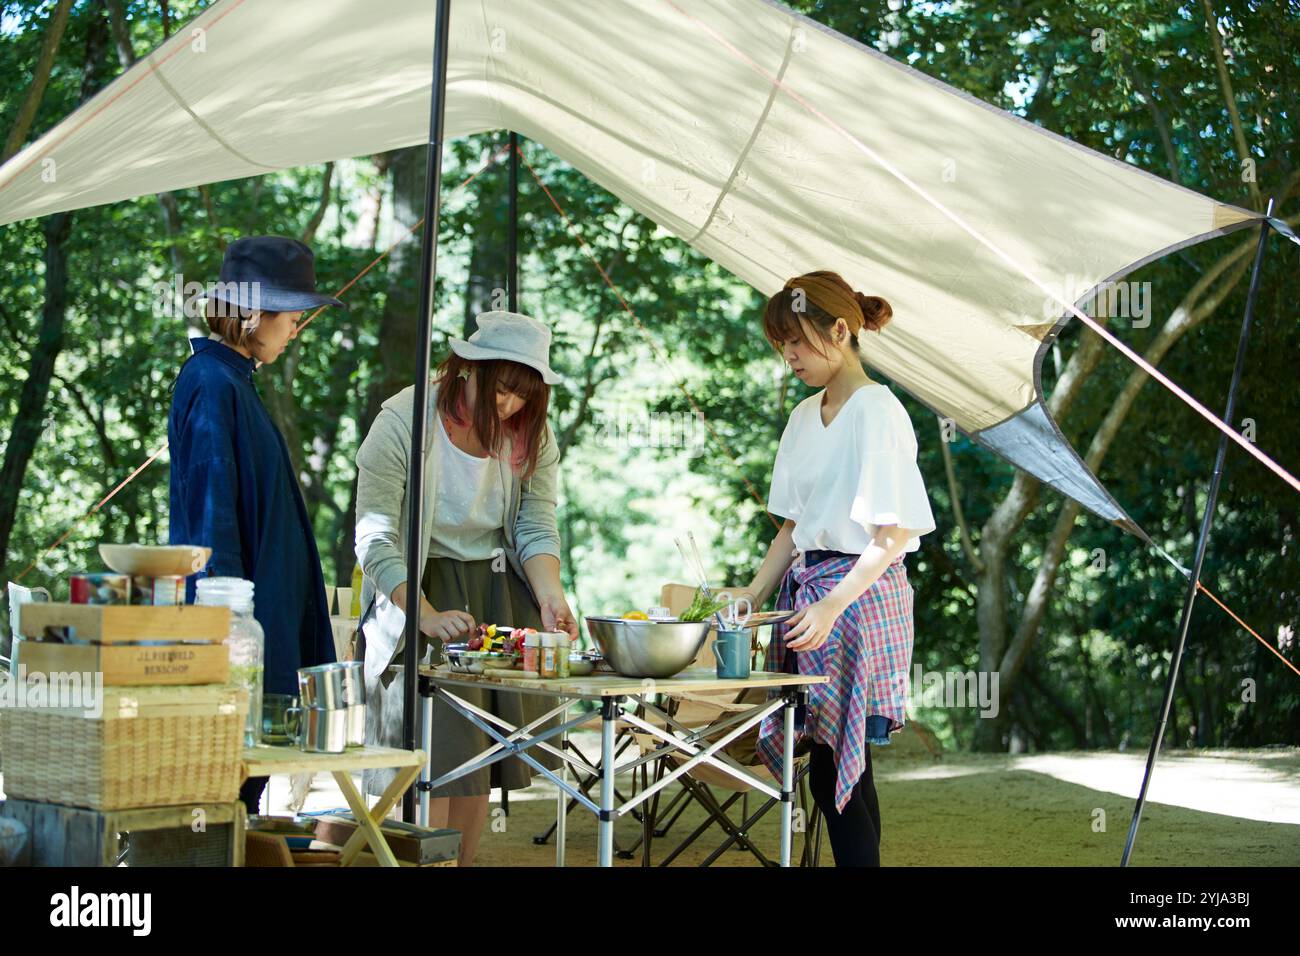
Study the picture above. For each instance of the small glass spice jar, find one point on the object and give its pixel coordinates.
(547, 664)
(563, 644)
(532, 651)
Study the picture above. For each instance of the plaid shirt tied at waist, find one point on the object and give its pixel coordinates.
(867, 657)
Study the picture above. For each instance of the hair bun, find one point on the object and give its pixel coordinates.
(876, 312)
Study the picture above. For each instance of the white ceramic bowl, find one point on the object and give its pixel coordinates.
(155, 561)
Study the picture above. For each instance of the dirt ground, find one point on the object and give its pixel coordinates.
(1207, 808)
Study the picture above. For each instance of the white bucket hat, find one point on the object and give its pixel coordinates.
(511, 336)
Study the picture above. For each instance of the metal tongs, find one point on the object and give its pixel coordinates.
(697, 569)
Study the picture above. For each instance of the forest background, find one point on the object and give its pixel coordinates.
(1077, 618)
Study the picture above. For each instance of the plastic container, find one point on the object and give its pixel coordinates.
(354, 610)
(246, 641)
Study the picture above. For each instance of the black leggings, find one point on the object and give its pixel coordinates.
(250, 792)
(855, 833)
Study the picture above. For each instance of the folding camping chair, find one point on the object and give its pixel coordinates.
(696, 711)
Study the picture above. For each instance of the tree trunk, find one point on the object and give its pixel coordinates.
(40, 77)
(398, 330)
(1096, 702)
(992, 598)
(29, 422)
(996, 652)
(485, 287)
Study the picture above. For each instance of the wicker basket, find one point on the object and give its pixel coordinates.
(150, 747)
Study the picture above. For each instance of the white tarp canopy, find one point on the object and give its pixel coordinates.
(769, 143)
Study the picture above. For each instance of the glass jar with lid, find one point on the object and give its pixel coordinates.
(246, 641)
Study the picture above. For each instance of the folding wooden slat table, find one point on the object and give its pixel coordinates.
(266, 761)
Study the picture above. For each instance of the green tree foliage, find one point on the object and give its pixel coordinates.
(1135, 80)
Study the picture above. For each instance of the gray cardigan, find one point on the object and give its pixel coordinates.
(382, 469)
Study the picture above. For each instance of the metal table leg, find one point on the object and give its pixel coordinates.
(787, 776)
(562, 798)
(608, 714)
(426, 744)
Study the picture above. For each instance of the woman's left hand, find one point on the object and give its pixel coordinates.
(556, 616)
(811, 626)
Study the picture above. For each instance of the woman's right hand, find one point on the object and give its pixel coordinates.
(447, 625)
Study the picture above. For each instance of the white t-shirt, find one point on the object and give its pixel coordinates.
(838, 483)
(470, 504)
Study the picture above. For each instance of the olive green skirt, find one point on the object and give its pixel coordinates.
(492, 597)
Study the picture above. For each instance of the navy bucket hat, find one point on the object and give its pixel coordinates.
(270, 273)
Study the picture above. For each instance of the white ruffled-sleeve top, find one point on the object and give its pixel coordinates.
(839, 482)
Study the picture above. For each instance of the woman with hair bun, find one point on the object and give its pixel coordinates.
(846, 481)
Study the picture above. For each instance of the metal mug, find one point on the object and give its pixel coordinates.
(732, 649)
(334, 686)
(357, 725)
(323, 730)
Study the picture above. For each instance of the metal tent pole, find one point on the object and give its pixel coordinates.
(512, 297)
(512, 228)
(419, 420)
(1202, 540)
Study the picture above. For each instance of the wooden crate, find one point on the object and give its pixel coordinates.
(366, 858)
(127, 664)
(413, 845)
(155, 836)
(121, 623)
(271, 850)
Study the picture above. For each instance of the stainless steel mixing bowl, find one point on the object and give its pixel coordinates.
(647, 648)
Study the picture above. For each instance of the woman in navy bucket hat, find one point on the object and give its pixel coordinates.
(233, 487)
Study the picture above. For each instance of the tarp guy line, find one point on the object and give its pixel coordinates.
(152, 458)
(979, 237)
(180, 41)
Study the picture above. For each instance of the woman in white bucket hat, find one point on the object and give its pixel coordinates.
(490, 539)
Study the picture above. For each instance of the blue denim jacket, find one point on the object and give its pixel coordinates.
(233, 490)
